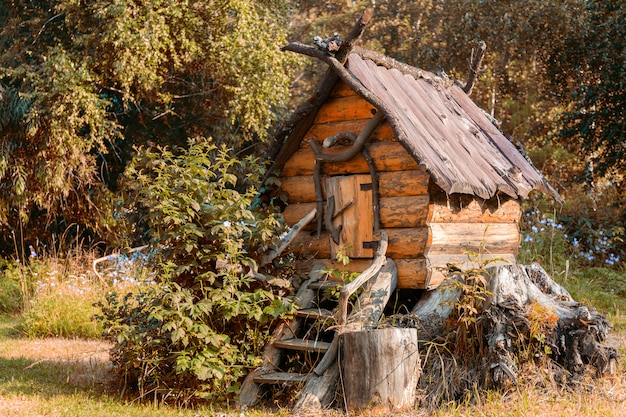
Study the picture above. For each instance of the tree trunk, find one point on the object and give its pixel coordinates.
(526, 306)
(573, 340)
(380, 369)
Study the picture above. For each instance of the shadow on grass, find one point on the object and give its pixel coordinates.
(47, 378)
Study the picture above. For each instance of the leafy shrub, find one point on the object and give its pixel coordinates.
(197, 332)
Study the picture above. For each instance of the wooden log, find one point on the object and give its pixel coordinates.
(437, 265)
(387, 156)
(412, 273)
(301, 188)
(404, 243)
(461, 208)
(321, 131)
(319, 392)
(338, 109)
(402, 212)
(380, 369)
(407, 242)
(459, 238)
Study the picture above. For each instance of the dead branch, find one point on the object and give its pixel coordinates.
(289, 237)
(296, 126)
(348, 290)
(356, 147)
(475, 67)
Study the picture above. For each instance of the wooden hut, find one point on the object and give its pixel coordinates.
(386, 146)
(405, 175)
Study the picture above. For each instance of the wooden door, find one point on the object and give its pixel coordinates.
(352, 215)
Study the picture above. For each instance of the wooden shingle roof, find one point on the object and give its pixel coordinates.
(437, 123)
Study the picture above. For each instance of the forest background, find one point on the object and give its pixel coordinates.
(83, 85)
(124, 123)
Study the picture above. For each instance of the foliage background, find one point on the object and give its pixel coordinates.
(82, 83)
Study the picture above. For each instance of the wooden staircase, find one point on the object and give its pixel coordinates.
(314, 334)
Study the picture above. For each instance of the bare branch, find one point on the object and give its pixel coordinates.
(475, 67)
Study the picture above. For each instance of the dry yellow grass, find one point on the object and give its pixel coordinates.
(85, 364)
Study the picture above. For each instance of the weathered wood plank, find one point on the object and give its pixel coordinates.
(353, 213)
(308, 245)
(458, 208)
(280, 378)
(272, 356)
(350, 107)
(301, 188)
(302, 344)
(387, 156)
(315, 313)
(459, 238)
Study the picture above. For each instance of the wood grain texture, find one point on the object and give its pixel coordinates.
(301, 188)
(412, 273)
(350, 107)
(458, 208)
(387, 156)
(400, 212)
(410, 211)
(321, 131)
(380, 369)
(353, 213)
(459, 238)
(437, 265)
(404, 243)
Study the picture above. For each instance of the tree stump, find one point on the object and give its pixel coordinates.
(525, 306)
(575, 338)
(380, 368)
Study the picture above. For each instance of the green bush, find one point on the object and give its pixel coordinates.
(196, 333)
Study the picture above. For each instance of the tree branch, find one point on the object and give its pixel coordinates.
(475, 67)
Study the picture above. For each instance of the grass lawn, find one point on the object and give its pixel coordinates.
(61, 377)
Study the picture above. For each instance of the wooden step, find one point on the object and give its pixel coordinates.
(325, 285)
(302, 344)
(280, 378)
(315, 313)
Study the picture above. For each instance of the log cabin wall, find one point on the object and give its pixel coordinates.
(426, 228)
(461, 223)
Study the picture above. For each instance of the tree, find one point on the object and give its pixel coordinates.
(588, 74)
(82, 82)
